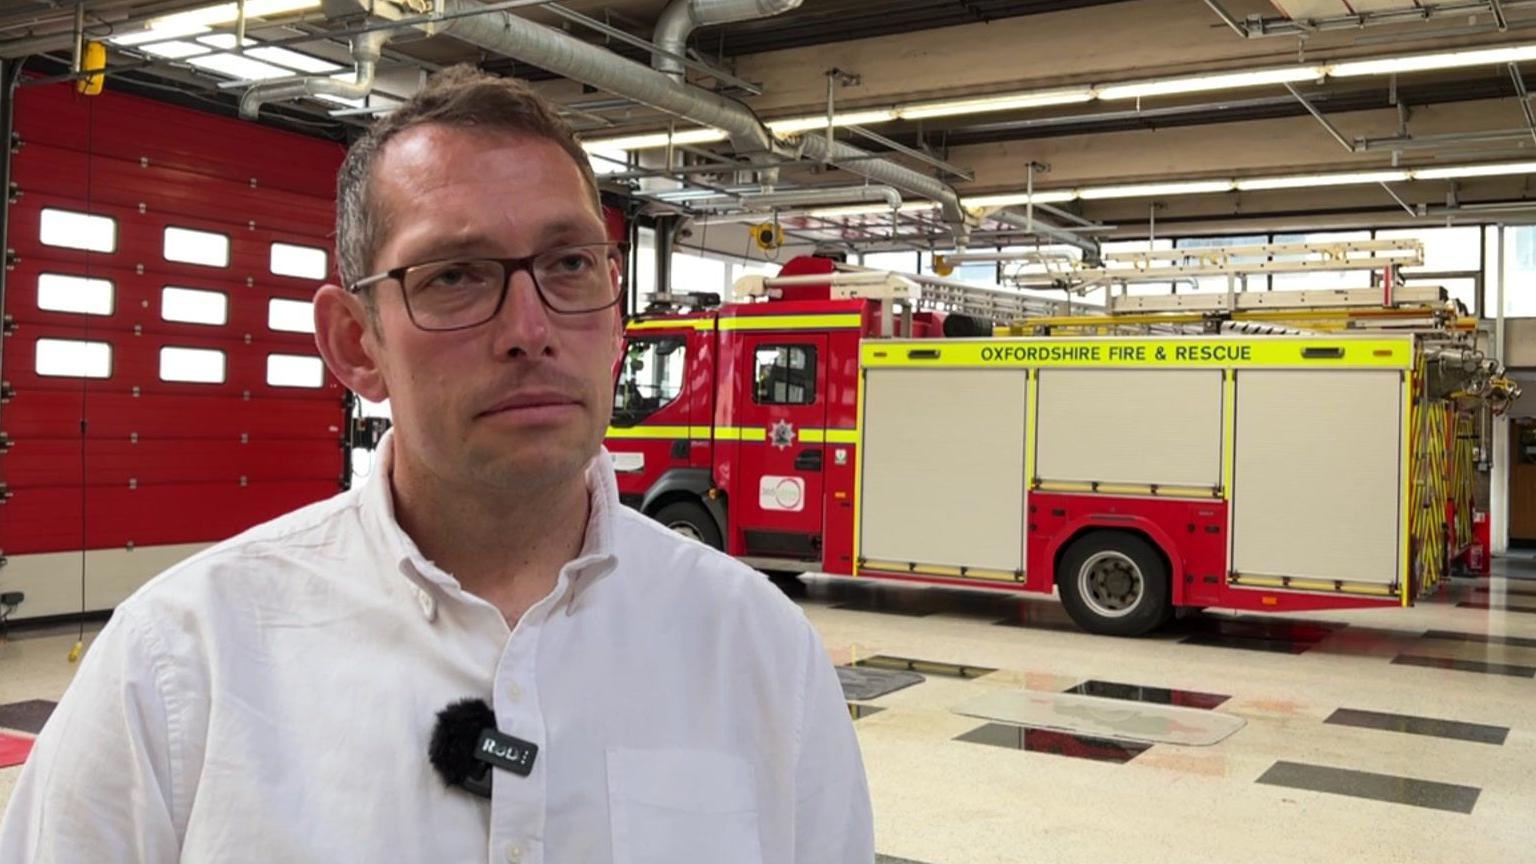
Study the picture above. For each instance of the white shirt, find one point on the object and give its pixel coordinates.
(271, 700)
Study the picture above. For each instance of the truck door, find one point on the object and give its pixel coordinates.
(782, 412)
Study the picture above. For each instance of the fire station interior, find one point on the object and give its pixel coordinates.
(922, 297)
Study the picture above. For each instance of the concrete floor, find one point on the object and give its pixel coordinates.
(939, 799)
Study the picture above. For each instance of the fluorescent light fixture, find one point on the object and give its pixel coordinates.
(157, 34)
(1456, 171)
(1307, 181)
(657, 139)
(1150, 190)
(791, 125)
(1201, 83)
(175, 49)
(199, 20)
(1426, 62)
(870, 209)
(229, 13)
(293, 60)
(1011, 199)
(1007, 102)
(243, 68)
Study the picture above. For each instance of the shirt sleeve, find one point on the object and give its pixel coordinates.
(98, 786)
(833, 821)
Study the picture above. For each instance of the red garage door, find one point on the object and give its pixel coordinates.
(163, 390)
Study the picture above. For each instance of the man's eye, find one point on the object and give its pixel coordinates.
(575, 262)
(449, 278)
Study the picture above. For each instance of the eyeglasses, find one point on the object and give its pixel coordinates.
(461, 293)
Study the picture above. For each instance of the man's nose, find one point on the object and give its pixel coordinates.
(523, 324)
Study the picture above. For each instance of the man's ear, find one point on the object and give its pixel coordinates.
(349, 342)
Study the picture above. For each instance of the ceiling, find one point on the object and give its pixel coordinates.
(904, 51)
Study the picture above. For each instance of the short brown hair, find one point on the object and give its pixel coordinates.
(461, 96)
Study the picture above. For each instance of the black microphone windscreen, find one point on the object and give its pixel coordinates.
(452, 750)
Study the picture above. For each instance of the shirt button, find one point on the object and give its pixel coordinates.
(514, 692)
(428, 607)
(514, 853)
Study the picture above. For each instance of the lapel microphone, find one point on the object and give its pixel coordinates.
(466, 745)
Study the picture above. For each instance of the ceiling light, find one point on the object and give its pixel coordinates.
(1150, 190)
(1009, 102)
(1305, 181)
(195, 21)
(1201, 83)
(792, 125)
(1474, 171)
(870, 209)
(175, 49)
(239, 67)
(293, 60)
(157, 34)
(1011, 199)
(229, 13)
(1425, 62)
(657, 139)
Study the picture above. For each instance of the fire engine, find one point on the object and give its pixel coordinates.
(1254, 450)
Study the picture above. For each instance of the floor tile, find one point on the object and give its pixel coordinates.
(1478, 732)
(1485, 638)
(1475, 604)
(1141, 693)
(1377, 787)
(28, 716)
(1466, 665)
(1057, 743)
(857, 711)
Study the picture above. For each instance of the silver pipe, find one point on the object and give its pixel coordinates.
(366, 48)
(682, 17)
(597, 67)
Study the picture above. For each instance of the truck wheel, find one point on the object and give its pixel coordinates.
(1114, 584)
(691, 521)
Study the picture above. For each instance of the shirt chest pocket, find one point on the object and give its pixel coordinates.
(681, 807)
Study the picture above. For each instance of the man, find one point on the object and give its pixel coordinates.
(272, 699)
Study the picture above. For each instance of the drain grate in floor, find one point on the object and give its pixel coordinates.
(863, 684)
(928, 667)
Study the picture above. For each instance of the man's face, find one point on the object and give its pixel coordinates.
(524, 399)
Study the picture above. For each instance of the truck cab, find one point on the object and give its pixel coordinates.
(736, 424)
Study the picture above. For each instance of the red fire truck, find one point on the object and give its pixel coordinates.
(834, 424)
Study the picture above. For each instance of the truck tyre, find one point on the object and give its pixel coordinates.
(1115, 584)
(692, 521)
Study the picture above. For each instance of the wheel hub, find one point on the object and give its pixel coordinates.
(1111, 584)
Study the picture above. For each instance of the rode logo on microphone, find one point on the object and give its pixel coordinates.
(505, 751)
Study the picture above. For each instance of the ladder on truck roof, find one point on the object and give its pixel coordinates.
(1389, 304)
(915, 292)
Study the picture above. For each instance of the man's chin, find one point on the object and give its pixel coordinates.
(531, 461)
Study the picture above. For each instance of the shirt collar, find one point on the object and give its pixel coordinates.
(598, 554)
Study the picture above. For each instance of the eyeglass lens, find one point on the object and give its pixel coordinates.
(447, 295)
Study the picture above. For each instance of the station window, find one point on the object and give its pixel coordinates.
(290, 316)
(191, 306)
(295, 370)
(785, 375)
(85, 296)
(650, 379)
(73, 358)
(304, 262)
(196, 247)
(71, 230)
(194, 365)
